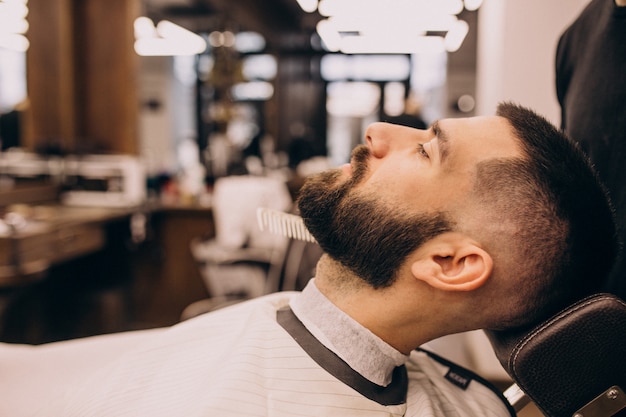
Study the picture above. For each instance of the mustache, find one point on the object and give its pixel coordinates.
(359, 158)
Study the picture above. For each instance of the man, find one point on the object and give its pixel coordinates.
(506, 211)
(591, 89)
(489, 222)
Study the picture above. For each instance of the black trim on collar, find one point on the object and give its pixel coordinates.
(393, 394)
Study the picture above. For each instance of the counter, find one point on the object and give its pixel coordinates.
(77, 271)
(50, 234)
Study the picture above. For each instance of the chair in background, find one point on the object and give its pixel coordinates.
(241, 261)
(571, 365)
(299, 264)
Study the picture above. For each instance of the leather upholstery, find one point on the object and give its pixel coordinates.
(568, 360)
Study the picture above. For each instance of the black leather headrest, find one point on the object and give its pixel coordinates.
(569, 359)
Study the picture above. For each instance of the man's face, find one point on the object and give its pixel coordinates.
(403, 187)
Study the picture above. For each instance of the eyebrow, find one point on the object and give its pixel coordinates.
(443, 140)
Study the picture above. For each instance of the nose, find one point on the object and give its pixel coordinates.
(384, 138)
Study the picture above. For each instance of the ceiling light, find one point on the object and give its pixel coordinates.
(10, 25)
(455, 36)
(369, 45)
(144, 28)
(166, 39)
(14, 42)
(366, 23)
(308, 6)
(394, 8)
(399, 26)
(169, 30)
(165, 47)
(329, 34)
(13, 25)
(16, 9)
(472, 5)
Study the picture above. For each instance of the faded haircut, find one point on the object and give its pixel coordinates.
(556, 216)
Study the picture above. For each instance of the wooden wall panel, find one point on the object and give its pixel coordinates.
(50, 74)
(108, 68)
(81, 74)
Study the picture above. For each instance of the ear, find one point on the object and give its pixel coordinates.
(452, 262)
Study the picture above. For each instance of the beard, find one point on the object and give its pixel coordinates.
(361, 232)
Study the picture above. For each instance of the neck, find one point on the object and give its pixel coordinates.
(620, 3)
(399, 314)
(335, 280)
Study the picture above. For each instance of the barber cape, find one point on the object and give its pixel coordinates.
(251, 359)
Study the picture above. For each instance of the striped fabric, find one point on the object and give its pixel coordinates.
(240, 361)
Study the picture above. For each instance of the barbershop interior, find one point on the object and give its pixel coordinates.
(152, 150)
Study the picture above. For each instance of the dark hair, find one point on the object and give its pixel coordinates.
(560, 217)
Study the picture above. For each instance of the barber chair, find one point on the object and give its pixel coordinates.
(240, 261)
(571, 365)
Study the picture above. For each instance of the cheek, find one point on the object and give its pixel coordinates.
(396, 188)
(407, 189)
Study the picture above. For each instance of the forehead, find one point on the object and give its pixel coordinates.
(480, 138)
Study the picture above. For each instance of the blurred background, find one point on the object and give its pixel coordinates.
(120, 119)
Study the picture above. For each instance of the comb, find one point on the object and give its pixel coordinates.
(284, 224)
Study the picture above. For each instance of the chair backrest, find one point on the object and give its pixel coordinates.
(575, 359)
(235, 201)
(299, 265)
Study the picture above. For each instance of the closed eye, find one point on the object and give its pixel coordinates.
(422, 151)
